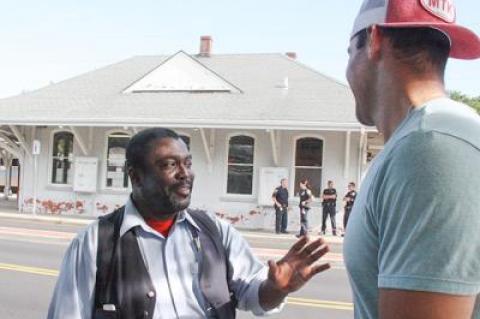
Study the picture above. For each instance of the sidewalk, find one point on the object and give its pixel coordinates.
(81, 220)
(47, 218)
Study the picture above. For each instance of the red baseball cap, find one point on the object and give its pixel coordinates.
(436, 14)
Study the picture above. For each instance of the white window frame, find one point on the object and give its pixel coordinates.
(294, 167)
(254, 165)
(50, 158)
(105, 162)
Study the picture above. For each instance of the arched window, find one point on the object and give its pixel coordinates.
(309, 163)
(240, 165)
(62, 158)
(186, 139)
(117, 176)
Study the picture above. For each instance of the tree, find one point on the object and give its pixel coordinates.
(471, 101)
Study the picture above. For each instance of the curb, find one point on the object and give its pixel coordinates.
(265, 234)
(82, 221)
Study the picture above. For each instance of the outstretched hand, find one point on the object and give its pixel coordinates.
(298, 266)
(292, 271)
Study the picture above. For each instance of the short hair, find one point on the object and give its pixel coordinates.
(351, 184)
(423, 49)
(305, 182)
(140, 145)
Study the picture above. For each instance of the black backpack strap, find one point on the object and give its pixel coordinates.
(107, 243)
(215, 269)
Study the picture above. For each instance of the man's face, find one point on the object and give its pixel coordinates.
(330, 185)
(360, 76)
(166, 183)
(351, 187)
(284, 183)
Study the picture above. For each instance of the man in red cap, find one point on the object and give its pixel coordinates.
(413, 245)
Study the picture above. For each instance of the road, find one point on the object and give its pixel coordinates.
(31, 253)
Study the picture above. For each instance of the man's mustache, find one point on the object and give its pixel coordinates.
(187, 183)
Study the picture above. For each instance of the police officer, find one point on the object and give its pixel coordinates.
(329, 198)
(280, 202)
(349, 199)
(306, 197)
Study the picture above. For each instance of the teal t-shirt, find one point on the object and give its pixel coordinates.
(416, 222)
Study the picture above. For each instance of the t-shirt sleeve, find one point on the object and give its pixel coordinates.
(427, 207)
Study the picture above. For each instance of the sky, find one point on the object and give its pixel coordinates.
(43, 42)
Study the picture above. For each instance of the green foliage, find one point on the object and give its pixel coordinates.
(471, 101)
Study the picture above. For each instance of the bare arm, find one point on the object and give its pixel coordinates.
(274, 199)
(403, 304)
(310, 197)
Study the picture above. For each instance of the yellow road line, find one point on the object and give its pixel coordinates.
(341, 303)
(318, 305)
(338, 305)
(30, 270)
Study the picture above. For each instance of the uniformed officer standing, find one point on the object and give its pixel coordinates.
(280, 202)
(349, 199)
(329, 203)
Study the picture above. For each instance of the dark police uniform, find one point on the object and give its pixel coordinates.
(305, 195)
(329, 209)
(281, 217)
(350, 197)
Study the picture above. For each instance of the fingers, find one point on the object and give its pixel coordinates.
(313, 246)
(317, 255)
(298, 245)
(318, 269)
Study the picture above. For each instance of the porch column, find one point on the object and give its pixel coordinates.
(273, 140)
(361, 148)
(346, 166)
(206, 148)
(8, 175)
(90, 139)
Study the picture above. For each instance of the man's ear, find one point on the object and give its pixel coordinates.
(135, 176)
(374, 43)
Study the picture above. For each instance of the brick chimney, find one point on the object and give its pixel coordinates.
(205, 46)
(291, 55)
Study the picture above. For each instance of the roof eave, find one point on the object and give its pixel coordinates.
(196, 123)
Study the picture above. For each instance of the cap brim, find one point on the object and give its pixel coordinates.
(465, 44)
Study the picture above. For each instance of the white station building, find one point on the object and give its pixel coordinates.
(249, 120)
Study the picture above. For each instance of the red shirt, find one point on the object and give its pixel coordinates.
(161, 226)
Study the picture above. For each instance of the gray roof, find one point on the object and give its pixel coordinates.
(312, 100)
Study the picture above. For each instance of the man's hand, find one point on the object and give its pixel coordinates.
(292, 271)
